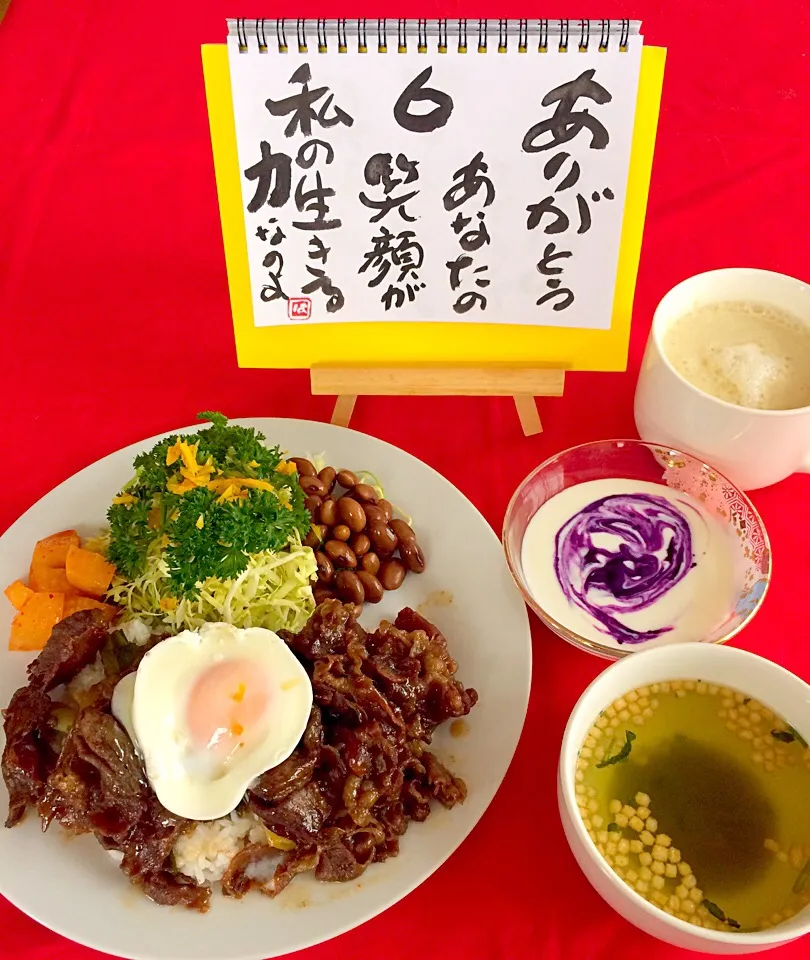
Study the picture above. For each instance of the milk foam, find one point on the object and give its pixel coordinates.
(750, 354)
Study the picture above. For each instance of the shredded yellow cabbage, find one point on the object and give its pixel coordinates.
(274, 591)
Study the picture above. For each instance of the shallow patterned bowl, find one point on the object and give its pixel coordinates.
(636, 460)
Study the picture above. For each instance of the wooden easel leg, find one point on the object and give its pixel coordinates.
(344, 408)
(527, 411)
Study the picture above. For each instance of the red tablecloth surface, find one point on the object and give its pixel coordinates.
(116, 326)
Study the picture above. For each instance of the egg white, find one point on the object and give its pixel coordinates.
(151, 705)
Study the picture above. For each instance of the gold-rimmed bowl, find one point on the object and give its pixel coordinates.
(637, 460)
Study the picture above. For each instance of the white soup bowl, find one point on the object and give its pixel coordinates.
(765, 681)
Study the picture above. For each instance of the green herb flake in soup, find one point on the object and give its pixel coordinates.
(696, 795)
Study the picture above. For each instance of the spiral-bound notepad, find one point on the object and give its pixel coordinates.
(441, 172)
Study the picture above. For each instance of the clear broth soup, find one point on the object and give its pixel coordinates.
(697, 796)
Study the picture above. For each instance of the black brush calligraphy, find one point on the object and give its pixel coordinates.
(471, 185)
(565, 205)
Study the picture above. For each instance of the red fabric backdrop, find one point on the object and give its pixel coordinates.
(116, 325)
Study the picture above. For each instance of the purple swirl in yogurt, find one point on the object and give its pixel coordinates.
(619, 555)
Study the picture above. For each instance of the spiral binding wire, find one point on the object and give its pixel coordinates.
(542, 42)
(585, 35)
(523, 36)
(281, 35)
(442, 36)
(241, 37)
(610, 32)
(421, 41)
(625, 35)
(260, 36)
(502, 36)
(603, 38)
(564, 31)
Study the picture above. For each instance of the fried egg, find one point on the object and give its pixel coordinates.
(210, 710)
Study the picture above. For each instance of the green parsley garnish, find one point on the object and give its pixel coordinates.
(803, 879)
(718, 914)
(791, 735)
(797, 736)
(209, 500)
(614, 828)
(623, 754)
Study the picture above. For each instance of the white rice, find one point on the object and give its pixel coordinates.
(136, 631)
(263, 870)
(92, 674)
(205, 851)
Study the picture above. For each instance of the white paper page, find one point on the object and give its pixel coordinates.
(533, 264)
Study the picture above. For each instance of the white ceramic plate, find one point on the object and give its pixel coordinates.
(73, 887)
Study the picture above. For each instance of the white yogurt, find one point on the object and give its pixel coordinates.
(630, 564)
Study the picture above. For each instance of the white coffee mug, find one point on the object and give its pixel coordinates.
(753, 448)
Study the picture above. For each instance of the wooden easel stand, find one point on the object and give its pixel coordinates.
(432, 380)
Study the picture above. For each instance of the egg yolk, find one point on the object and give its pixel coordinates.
(226, 706)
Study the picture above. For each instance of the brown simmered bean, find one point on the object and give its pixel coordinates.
(412, 556)
(326, 570)
(305, 468)
(312, 486)
(312, 504)
(382, 536)
(341, 554)
(328, 512)
(361, 544)
(349, 587)
(372, 588)
(403, 531)
(374, 512)
(352, 514)
(346, 479)
(327, 478)
(322, 593)
(386, 508)
(365, 492)
(341, 532)
(370, 563)
(392, 573)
